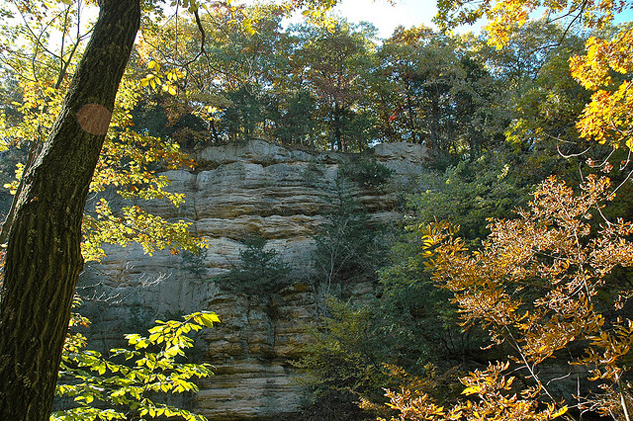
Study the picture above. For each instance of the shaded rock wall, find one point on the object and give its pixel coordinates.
(239, 190)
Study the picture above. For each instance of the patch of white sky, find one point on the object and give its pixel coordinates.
(407, 13)
(387, 17)
(382, 14)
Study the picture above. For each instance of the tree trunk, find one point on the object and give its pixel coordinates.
(43, 258)
(337, 127)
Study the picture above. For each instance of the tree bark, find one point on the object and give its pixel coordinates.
(43, 257)
(337, 127)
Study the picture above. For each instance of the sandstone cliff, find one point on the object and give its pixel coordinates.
(237, 190)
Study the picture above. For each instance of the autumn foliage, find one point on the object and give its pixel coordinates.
(551, 288)
(548, 288)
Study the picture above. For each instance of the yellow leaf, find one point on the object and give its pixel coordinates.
(560, 412)
(471, 390)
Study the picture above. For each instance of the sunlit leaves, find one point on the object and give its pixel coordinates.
(133, 225)
(128, 164)
(166, 80)
(190, 5)
(537, 285)
(505, 15)
(120, 387)
(607, 70)
(494, 399)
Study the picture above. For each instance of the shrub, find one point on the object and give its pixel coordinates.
(193, 262)
(344, 360)
(469, 193)
(261, 271)
(348, 246)
(366, 172)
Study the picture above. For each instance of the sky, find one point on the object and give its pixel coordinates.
(407, 13)
(387, 17)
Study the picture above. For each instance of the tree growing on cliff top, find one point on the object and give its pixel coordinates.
(43, 255)
(333, 59)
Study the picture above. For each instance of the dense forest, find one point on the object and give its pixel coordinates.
(504, 293)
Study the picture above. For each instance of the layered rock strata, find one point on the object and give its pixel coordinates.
(239, 190)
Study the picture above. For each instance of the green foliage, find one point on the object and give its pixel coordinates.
(366, 172)
(342, 52)
(348, 245)
(432, 88)
(193, 262)
(356, 347)
(313, 174)
(473, 191)
(418, 322)
(543, 100)
(412, 324)
(297, 123)
(244, 114)
(261, 271)
(131, 382)
(344, 360)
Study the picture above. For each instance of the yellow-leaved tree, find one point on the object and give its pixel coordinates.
(43, 231)
(606, 69)
(551, 290)
(551, 287)
(38, 73)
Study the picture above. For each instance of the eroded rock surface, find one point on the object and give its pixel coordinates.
(239, 190)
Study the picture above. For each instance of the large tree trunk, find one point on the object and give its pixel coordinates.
(43, 258)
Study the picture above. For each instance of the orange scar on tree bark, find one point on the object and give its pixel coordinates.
(94, 118)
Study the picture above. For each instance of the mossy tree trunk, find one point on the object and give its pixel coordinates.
(43, 257)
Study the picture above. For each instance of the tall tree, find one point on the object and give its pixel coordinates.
(333, 59)
(442, 95)
(606, 69)
(541, 96)
(229, 87)
(43, 257)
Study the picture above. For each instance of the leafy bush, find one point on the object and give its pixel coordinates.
(344, 359)
(354, 353)
(366, 172)
(130, 383)
(260, 271)
(470, 192)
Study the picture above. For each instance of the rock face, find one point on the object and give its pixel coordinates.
(239, 190)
